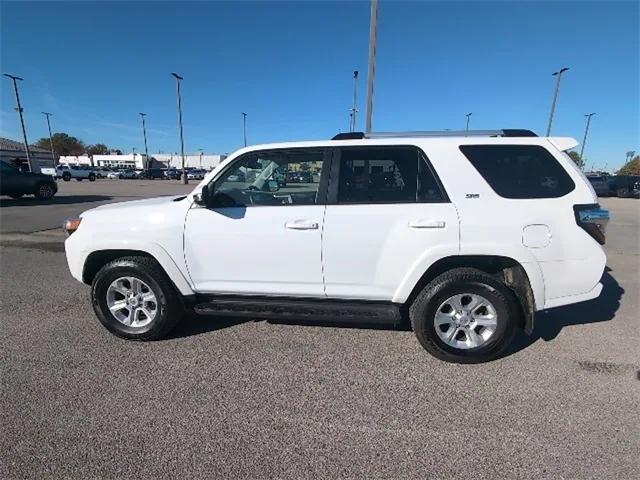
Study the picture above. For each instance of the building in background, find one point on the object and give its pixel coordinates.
(136, 161)
(206, 161)
(13, 153)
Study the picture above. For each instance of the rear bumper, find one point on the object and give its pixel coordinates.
(582, 297)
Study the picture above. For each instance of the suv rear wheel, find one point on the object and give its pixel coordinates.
(465, 316)
(134, 299)
(66, 176)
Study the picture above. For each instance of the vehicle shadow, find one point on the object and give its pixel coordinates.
(57, 200)
(549, 323)
(193, 324)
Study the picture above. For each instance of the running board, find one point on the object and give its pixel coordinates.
(279, 308)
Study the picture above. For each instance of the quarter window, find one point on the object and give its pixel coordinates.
(520, 171)
(386, 175)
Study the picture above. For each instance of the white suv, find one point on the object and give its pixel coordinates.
(465, 234)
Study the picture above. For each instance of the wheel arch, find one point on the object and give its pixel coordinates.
(99, 258)
(513, 273)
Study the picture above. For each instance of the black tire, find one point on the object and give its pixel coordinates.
(66, 176)
(44, 191)
(92, 177)
(16, 195)
(170, 309)
(459, 281)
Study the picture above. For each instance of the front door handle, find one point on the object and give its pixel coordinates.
(427, 223)
(301, 225)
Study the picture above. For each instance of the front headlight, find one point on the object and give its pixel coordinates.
(70, 225)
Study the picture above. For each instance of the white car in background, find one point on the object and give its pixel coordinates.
(79, 172)
(116, 174)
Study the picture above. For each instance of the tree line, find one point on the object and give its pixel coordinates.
(65, 144)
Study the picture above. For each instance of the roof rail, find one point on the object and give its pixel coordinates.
(505, 132)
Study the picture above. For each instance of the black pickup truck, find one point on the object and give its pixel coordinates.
(15, 183)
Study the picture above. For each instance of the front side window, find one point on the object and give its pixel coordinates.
(519, 171)
(386, 175)
(276, 177)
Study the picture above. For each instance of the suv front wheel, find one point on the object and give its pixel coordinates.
(465, 316)
(134, 299)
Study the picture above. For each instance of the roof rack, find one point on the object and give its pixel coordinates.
(505, 132)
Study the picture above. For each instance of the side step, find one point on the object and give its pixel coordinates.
(279, 308)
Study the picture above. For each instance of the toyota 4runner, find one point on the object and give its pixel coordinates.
(465, 234)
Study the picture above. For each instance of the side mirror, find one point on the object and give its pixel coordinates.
(204, 197)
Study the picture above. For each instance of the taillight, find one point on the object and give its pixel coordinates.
(593, 220)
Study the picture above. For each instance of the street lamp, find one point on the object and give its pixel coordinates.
(19, 109)
(586, 131)
(200, 150)
(53, 155)
(144, 134)
(354, 110)
(244, 127)
(373, 34)
(184, 174)
(468, 115)
(555, 96)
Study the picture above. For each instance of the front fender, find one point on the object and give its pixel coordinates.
(78, 251)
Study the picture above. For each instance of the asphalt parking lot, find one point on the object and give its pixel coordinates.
(255, 399)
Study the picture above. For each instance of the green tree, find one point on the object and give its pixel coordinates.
(63, 144)
(97, 149)
(632, 167)
(577, 159)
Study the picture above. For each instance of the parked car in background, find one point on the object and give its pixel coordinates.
(79, 172)
(16, 183)
(600, 185)
(152, 173)
(196, 174)
(129, 174)
(173, 174)
(624, 186)
(114, 174)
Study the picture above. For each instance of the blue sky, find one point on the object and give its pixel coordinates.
(95, 65)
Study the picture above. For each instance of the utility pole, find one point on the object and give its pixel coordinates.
(555, 96)
(584, 140)
(53, 155)
(354, 109)
(144, 134)
(244, 127)
(373, 34)
(468, 115)
(200, 150)
(19, 109)
(184, 174)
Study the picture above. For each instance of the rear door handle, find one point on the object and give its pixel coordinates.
(301, 225)
(427, 223)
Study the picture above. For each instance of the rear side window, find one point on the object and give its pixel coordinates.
(386, 175)
(519, 171)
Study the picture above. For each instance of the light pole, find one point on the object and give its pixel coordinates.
(184, 174)
(354, 109)
(144, 134)
(19, 109)
(555, 96)
(53, 155)
(584, 140)
(200, 150)
(373, 34)
(244, 127)
(468, 115)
